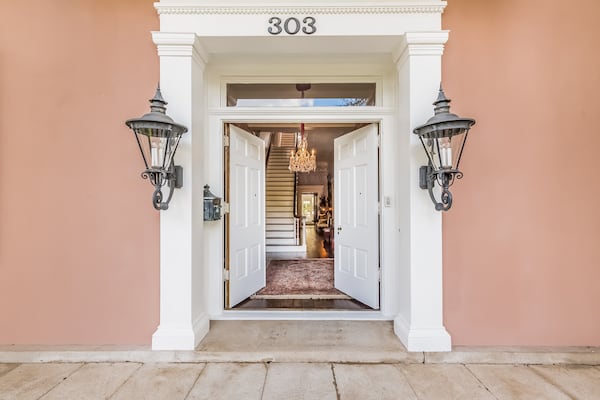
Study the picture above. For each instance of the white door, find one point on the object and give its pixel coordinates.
(247, 272)
(356, 218)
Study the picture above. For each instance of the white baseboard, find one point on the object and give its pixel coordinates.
(181, 338)
(426, 340)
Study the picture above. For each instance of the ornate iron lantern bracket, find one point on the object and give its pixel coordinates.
(443, 137)
(158, 137)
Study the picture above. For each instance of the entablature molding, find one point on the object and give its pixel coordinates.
(292, 8)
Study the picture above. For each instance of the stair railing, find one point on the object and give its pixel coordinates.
(299, 222)
(268, 150)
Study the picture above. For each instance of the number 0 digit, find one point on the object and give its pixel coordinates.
(286, 26)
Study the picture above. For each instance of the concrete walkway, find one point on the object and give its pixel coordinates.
(247, 360)
(248, 381)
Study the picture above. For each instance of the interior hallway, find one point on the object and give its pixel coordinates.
(316, 247)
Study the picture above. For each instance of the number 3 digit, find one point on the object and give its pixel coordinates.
(275, 23)
(310, 27)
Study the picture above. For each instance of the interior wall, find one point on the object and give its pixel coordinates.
(521, 250)
(79, 257)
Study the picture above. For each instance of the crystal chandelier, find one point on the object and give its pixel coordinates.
(302, 160)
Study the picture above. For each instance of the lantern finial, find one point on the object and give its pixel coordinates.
(442, 103)
(157, 103)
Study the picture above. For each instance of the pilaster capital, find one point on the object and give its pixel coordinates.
(420, 44)
(175, 44)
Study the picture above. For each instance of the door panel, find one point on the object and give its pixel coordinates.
(247, 272)
(357, 215)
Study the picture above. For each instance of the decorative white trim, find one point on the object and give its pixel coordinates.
(420, 44)
(174, 44)
(436, 339)
(180, 338)
(401, 8)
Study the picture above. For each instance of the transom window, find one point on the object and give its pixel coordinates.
(300, 95)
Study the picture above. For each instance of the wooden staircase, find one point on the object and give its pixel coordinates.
(281, 226)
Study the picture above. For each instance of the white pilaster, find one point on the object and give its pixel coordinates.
(183, 318)
(420, 321)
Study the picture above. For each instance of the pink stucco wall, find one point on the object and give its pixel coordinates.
(79, 238)
(78, 235)
(522, 242)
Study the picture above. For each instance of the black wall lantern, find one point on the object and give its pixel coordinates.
(158, 136)
(443, 138)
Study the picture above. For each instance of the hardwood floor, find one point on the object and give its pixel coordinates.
(316, 245)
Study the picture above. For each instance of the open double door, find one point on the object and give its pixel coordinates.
(356, 215)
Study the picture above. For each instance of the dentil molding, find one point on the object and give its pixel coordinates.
(364, 7)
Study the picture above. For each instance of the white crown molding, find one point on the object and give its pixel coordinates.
(412, 7)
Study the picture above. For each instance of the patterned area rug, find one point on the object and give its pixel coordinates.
(300, 279)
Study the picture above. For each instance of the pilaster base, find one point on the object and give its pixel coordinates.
(429, 340)
(179, 338)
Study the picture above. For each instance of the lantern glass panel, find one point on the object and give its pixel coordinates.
(157, 151)
(445, 152)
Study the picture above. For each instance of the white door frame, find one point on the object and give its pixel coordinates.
(411, 233)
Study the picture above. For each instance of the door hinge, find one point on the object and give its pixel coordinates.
(225, 141)
(225, 274)
(379, 274)
(379, 141)
(225, 208)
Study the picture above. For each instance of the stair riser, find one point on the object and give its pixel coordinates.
(274, 194)
(280, 235)
(287, 214)
(279, 203)
(271, 210)
(280, 228)
(280, 221)
(280, 241)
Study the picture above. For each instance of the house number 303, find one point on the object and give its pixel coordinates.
(292, 25)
